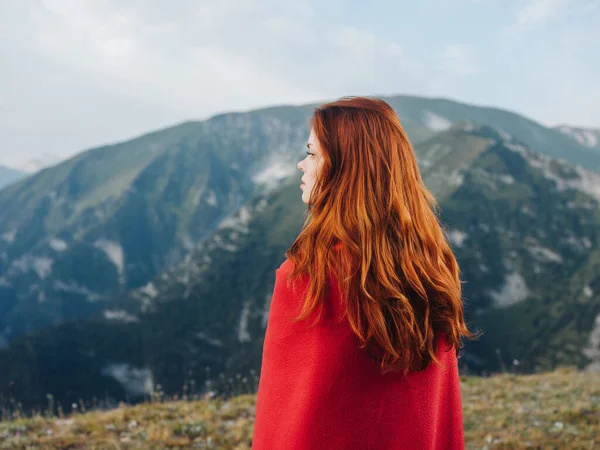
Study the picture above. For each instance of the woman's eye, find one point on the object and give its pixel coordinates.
(309, 153)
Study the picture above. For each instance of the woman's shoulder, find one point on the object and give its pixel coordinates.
(285, 266)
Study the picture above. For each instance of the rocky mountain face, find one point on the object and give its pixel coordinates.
(439, 114)
(525, 228)
(152, 262)
(588, 137)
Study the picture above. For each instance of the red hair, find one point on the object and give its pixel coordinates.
(398, 275)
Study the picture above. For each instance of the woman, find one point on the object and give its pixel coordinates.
(366, 318)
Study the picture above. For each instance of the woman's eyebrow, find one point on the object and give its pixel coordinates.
(308, 145)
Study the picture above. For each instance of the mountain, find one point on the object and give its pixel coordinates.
(439, 114)
(106, 221)
(204, 306)
(8, 176)
(130, 210)
(103, 222)
(524, 226)
(588, 137)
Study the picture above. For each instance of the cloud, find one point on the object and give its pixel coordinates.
(592, 5)
(212, 54)
(536, 12)
(79, 74)
(459, 59)
(114, 69)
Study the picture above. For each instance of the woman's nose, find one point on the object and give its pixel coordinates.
(299, 166)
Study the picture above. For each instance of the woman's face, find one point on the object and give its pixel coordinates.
(310, 166)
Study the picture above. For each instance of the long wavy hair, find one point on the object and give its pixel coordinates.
(373, 225)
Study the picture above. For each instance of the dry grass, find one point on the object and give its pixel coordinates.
(557, 410)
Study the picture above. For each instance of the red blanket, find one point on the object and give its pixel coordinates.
(318, 390)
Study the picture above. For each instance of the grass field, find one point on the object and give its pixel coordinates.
(556, 410)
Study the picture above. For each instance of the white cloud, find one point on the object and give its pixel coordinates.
(536, 12)
(219, 54)
(459, 59)
(592, 5)
(532, 14)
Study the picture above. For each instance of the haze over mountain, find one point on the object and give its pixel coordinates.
(38, 163)
(8, 176)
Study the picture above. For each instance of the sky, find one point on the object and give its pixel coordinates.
(77, 74)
